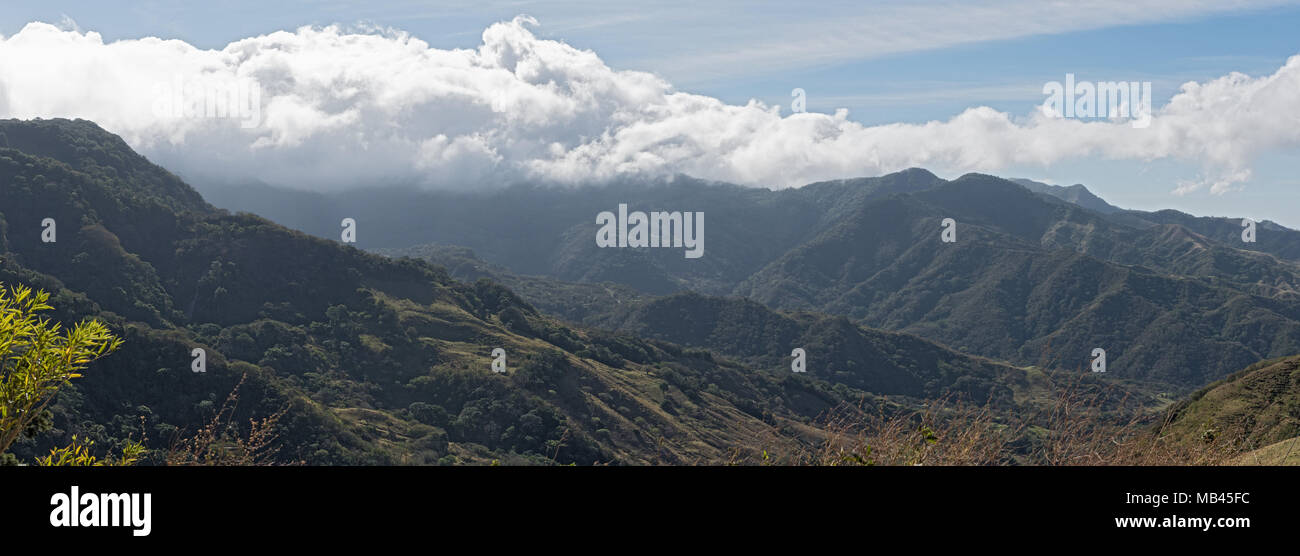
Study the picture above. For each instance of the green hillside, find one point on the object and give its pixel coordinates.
(1034, 278)
(1260, 405)
(836, 349)
(370, 359)
(375, 360)
(1034, 281)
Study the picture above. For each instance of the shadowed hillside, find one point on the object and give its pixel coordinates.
(375, 360)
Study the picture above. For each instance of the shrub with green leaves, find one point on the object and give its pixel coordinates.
(38, 356)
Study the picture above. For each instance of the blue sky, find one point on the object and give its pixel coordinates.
(885, 62)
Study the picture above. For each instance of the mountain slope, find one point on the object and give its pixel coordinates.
(375, 360)
(579, 302)
(1033, 281)
(1076, 194)
(1035, 278)
(1270, 237)
(835, 349)
(1260, 404)
(548, 231)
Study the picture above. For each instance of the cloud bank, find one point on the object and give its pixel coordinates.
(339, 108)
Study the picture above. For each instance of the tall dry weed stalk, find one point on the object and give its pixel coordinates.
(220, 441)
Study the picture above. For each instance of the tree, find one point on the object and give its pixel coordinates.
(38, 356)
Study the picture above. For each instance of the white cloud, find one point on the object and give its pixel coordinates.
(342, 109)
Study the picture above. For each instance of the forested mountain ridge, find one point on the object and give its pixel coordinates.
(1027, 277)
(374, 360)
(1030, 278)
(1077, 194)
(383, 360)
(836, 349)
(102, 157)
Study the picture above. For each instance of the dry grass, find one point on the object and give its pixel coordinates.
(1090, 426)
(1081, 423)
(220, 442)
(941, 433)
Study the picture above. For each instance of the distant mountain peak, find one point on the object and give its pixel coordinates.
(1076, 194)
(902, 179)
(915, 172)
